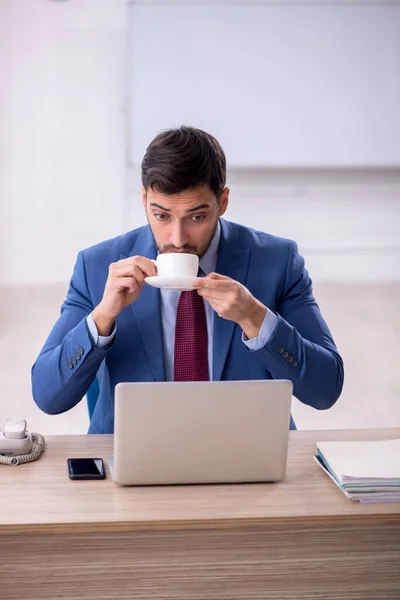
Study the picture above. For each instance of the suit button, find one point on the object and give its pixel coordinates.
(74, 361)
(280, 349)
(80, 351)
(70, 365)
(78, 356)
(290, 359)
(285, 354)
(294, 363)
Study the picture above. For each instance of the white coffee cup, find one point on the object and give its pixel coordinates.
(177, 264)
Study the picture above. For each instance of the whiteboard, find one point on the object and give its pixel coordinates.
(277, 85)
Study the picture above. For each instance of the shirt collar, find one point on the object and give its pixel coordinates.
(208, 263)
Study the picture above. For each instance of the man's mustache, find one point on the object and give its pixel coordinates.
(185, 248)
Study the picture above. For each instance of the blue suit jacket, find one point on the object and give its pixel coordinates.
(301, 347)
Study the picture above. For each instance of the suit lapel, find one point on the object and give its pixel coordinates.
(147, 310)
(233, 261)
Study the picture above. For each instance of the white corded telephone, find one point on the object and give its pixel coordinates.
(17, 445)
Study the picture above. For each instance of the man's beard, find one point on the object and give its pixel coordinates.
(186, 247)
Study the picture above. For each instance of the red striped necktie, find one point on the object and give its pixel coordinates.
(191, 340)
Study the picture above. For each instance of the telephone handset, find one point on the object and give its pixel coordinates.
(17, 445)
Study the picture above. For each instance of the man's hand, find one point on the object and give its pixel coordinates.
(232, 301)
(124, 284)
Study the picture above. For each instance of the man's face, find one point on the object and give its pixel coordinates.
(184, 222)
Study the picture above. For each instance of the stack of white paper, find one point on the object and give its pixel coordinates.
(364, 471)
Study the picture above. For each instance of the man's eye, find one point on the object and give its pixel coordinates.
(198, 218)
(162, 217)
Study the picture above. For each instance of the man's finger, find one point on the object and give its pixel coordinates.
(212, 294)
(217, 276)
(217, 304)
(129, 283)
(146, 265)
(131, 270)
(213, 284)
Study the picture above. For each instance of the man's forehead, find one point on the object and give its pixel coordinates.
(184, 200)
(191, 195)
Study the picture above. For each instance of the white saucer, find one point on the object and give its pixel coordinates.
(171, 283)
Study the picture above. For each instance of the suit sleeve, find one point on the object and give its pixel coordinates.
(69, 360)
(301, 347)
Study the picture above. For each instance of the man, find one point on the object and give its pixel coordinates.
(251, 316)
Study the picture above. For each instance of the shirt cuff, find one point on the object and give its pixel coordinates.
(267, 329)
(100, 341)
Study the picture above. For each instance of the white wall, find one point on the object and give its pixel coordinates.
(279, 84)
(63, 180)
(62, 126)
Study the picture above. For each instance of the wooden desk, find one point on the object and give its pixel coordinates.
(301, 538)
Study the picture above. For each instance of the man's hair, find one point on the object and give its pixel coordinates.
(179, 159)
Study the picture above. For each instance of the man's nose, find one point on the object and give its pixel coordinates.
(178, 236)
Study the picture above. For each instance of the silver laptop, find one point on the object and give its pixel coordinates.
(202, 432)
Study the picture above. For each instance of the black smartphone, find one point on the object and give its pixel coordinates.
(86, 468)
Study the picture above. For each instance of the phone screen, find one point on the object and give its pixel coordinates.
(86, 468)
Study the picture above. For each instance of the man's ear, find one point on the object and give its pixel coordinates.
(224, 201)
